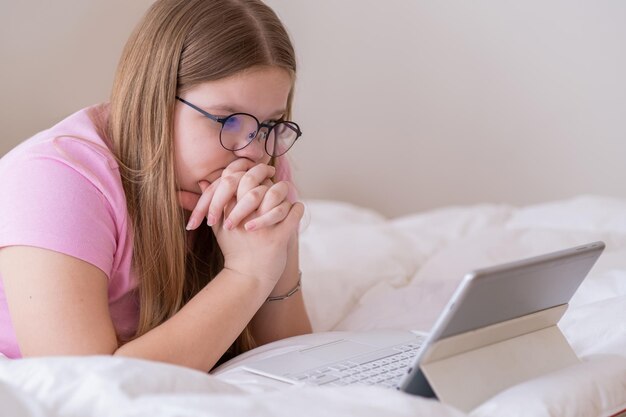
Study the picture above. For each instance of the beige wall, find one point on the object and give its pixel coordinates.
(405, 105)
(57, 57)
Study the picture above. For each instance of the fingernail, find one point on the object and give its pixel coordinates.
(228, 224)
(210, 220)
(250, 226)
(193, 223)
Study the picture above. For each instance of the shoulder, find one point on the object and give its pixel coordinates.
(75, 141)
(73, 153)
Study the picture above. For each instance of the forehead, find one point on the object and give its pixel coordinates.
(260, 91)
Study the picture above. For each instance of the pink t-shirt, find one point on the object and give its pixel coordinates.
(61, 190)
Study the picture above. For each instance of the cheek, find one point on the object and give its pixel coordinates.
(181, 163)
(196, 157)
(189, 152)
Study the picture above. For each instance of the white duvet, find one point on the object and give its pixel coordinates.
(362, 271)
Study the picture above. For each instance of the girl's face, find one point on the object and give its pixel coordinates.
(198, 154)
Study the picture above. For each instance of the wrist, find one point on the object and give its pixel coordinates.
(292, 291)
(287, 281)
(265, 283)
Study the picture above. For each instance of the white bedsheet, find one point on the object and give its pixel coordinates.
(362, 272)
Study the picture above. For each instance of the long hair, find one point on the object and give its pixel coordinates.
(178, 45)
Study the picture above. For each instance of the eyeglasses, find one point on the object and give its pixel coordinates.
(240, 129)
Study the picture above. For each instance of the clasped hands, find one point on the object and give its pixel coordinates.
(250, 215)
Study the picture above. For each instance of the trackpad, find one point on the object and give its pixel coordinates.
(337, 351)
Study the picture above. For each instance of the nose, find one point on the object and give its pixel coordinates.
(255, 150)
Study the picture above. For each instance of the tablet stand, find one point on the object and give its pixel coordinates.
(466, 369)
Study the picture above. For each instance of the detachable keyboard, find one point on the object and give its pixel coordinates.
(384, 368)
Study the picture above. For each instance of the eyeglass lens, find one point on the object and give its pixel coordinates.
(239, 130)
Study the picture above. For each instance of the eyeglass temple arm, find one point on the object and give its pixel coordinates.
(209, 115)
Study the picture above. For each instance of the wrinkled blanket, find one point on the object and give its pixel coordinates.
(362, 271)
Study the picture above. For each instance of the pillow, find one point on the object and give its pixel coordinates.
(590, 213)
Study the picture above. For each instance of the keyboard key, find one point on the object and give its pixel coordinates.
(385, 367)
(325, 379)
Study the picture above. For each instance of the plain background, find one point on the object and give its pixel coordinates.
(405, 105)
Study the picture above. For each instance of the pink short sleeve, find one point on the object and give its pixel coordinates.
(49, 204)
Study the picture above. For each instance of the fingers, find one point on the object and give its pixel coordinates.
(241, 164)
(259, 174)
(243, 180)
(275, 195)
(272, 217)
(223, 194)
(204, 185)
(202, 204)
(245, 206)
(261, 200)
(292, 221)
(273, 208)
(246, 186)
(284, 216)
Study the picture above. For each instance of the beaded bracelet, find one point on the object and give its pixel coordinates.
(290, 293)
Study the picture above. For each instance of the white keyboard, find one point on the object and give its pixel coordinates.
(385, 368)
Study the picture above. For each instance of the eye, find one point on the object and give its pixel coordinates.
(233, 123)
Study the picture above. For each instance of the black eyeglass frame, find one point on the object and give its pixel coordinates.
(223, 120)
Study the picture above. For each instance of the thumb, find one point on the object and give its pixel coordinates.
(203, 185)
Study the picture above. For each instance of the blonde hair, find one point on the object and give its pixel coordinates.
(178, 45)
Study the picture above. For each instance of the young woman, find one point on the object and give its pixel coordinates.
(161, 225)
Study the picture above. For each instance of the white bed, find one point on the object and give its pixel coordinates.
(362, 271)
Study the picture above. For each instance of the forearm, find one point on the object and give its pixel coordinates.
(280, 319)
(199, 334)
